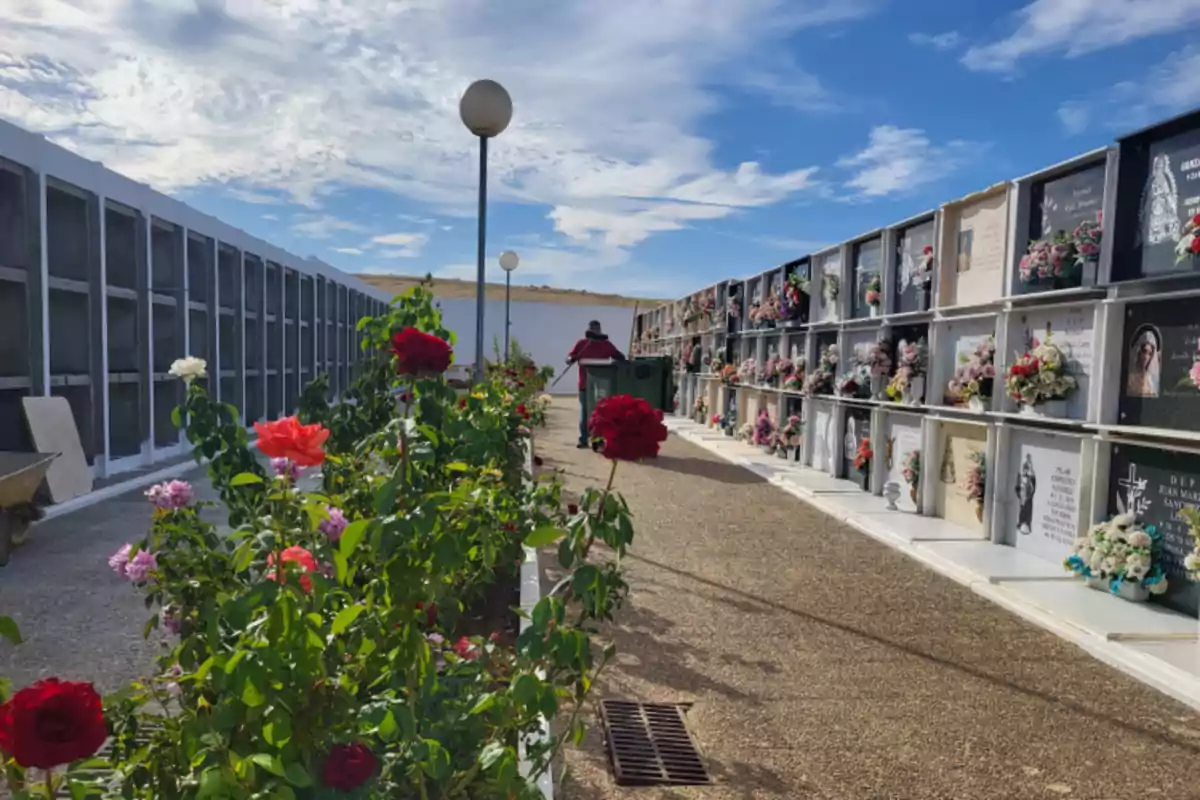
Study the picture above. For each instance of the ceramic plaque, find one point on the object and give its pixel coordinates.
(960, 448)
(975, 272)
(902, 441)
(1071, 330)
(1041, 494)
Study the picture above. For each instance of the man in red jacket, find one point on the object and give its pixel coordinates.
(593, 345)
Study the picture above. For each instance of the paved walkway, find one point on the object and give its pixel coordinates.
(823, 664)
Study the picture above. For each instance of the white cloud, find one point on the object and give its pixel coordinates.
(898, 160)
(272, 217)
(938, 41)
(301, 99)
(252, 197)
(400, 239)
(400, 245)
(1171, 87)
(323, 226)
(1078, 27)
(350, 251)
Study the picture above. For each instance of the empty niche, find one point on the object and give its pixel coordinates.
(198, 334)
(120, 247)
(80, 400)
(70, 335)
(14, 219)
(166, 266)
(200, 266)
(67, 235)
(14, 329)
(14, 436)
(123, 346)
(167, 395)
(168, 338)
(124, 419)
(228, 275)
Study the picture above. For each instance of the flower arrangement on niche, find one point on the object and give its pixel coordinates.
(783, 368)
(975, 481)
(700, 409)
(923, 271)
(830, 286)
(1121, 556)
(1039, 375)
(795, 296)
(1192, 379)
(820, 380)
(764, 428)
(863, 456)
(746, 432)
(708, 305)
(913, 364)
(748, 371)
(855, 383)
(1191, 562)
(879, 358)
(1188, 246)
(792, 431)
(1058, 259)
(768, 311)
(873, 292)
(910, 470)
(715, 364)
(973, 376)
(730, 375)
(794, 380)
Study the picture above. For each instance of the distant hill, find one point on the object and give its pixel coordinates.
(453, 288)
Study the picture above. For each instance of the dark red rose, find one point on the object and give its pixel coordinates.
(1196, 244)
(348, 766)
(405, 397)
(419, 353)
(520, 384)
(1196, 220)
(522, 412)
(572, 509)
(431, 613)
(465, 649)
(52, 723)
(631, 428)
(494, 636)
(928, 249)
(462, 402)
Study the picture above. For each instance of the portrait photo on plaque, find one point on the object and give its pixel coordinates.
(1160, 369)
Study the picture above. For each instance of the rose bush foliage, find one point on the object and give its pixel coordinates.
(325, 642)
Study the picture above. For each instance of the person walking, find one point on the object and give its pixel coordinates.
(593, 345)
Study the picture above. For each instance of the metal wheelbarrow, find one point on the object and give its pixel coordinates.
(20, 476)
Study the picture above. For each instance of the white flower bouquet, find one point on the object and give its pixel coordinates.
(1120, 551)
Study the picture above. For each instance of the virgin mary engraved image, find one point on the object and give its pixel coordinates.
(1159, 215)
(1145, 363)
(1026, 488)
(851, 441)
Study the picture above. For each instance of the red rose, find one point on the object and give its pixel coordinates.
(420, 353)
(303, 560)
(287, 438)
(522, 412)
(431, 613)
(348, 766)
(1195, 244)
(52, 723)
(462, 402)
(494, 636)
(928, 249)
(572, 509)
(1196, 220)
(631, 428)
(465, 649)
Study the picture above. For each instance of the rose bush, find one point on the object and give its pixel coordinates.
(349, 633)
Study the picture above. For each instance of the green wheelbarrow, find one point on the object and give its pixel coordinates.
(20, 476)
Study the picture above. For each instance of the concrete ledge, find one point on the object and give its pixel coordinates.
(1154, 645)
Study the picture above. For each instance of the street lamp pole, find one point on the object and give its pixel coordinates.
(508, 262)
(486, 110)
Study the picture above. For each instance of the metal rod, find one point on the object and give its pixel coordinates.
(480, 291)
(507, 289)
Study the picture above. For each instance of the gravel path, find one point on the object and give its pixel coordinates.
(822, 664)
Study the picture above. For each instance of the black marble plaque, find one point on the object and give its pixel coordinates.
(909, 293)
(1165, 191)
(1159, 349)
(1153, 485)
(858, 427)
(868, 261)
(1061, 204)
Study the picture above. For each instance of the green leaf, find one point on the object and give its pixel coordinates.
(388, 727)
(544, 536)
(278, 730)
(352, 536)
(9, 630)
(244, 556)
(490, 754)
(342, 566)
(270, 763)
(525, 689)
(232, 663)
(457, 466)
(211, 783)
(345, 617)
(203, 670)
(437, 763)
(485, 702)
(252, 693)
(177, 416)
(244, 479)
(297, 775)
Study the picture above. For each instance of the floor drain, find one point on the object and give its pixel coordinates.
(649, 745)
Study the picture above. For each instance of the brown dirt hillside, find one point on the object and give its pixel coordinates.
(452, 289)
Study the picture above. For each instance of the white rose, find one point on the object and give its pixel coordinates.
(1108, 566)
(1138, 559)
(190, 368)
(1159, 587)
(1096, 561)
(1139, 539)
(1137, 571)
(1191, 562)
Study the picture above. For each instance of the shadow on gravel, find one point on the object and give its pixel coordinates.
(979, 674)
(702, 468)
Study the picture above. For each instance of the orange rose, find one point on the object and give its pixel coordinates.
(287, 438)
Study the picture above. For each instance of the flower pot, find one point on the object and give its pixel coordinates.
(975, 404)
(873, 311)
(914, 395)
(781, 452)
(891, 493)
(1126, 590)
(794, 453)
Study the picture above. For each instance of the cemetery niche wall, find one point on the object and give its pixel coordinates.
(1154, 485)
(1070, 330)
(1160, 365)
(1040, 496)
(1157, 198)
(867, 300)
(796, 298)
(961, 474)
(974, 243)
(902, 459)
(915, 258)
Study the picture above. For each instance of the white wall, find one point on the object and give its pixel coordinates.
(546, 331)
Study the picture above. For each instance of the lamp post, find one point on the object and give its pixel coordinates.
(508, 262)
(486, 110)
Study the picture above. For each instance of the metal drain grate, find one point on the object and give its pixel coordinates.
(649, 745)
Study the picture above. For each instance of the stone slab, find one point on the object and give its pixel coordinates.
(992, 562)
(52, 427)
(1103, 614)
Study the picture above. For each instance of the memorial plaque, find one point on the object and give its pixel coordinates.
(902, 437)
(1169, 197)
(981, 237)
(1071, 330)
(1153, 485)
(1062, 203)
(958, 445)
(825, 443)
(911, 293)
(857, 429)
(868, 262)
(1160, 376)
(827, 309)
(1041, 494)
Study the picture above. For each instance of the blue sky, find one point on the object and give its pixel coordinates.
(655, 146)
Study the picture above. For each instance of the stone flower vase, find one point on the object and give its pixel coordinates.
(914, 395)
(873, 311)
(1126, 590)
(878, 384)
(1056, 409)
(891, 493)
(975, 404)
